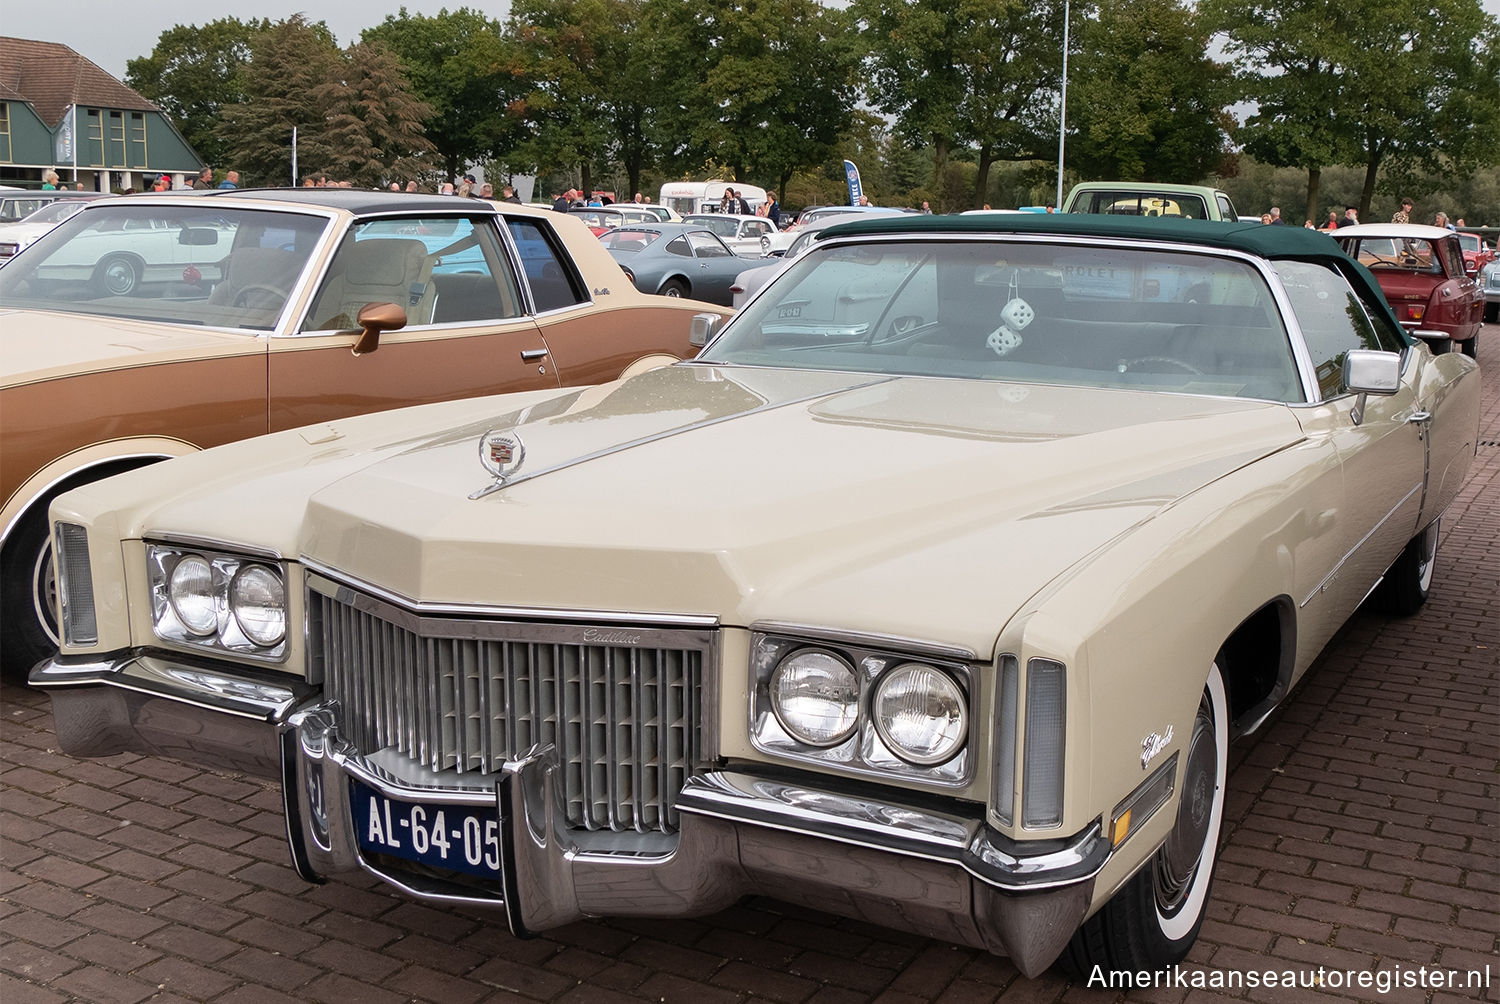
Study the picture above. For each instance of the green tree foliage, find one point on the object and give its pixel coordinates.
(1413, 88)
(467, 71)
(1426, 88)
(1145, 101)
(913, 67)
(193, 74)
(290, 59)
(1010, 62)
(762, 87)
(353, 112)
(587, 97)
(373, 124)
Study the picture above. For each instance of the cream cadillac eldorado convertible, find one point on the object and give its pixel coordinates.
(931, 593)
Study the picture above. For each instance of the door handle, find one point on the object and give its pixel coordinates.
(532, 355)
(1421, 419)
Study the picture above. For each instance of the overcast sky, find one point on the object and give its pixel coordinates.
(111, 32)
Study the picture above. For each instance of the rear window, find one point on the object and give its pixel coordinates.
(1142, 203)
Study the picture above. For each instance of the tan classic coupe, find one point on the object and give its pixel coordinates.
(932, 592)
(151, 327)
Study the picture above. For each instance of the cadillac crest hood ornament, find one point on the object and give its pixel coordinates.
(502, 453)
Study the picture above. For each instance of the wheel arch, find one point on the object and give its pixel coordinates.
(678, 278)
(655, 360)
(91, 463)
(1256, 662)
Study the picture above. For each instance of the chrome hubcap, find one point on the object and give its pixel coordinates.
(1178, 860)
(44, 592)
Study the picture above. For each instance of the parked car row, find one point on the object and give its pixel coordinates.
(932, 591)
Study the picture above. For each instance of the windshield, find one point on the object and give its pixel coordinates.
(1395, 254)
(599, 217)
(213, 264)
(628, 240)
(56, 212)
(1469, 242)
(1093, 316)
(722, 225)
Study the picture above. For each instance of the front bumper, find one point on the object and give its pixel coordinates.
(935, 873)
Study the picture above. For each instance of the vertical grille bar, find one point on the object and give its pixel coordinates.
(461, 696)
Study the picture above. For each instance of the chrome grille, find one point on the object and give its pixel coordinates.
(623, 705)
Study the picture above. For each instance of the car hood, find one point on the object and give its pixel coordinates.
(38, 345)
(930, 508)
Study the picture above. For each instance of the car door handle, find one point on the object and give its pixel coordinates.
(1419, 418)
(532, 355)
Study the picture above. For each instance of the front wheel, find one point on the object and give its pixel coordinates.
(673, 287)
(28, 585)
(1155, 917)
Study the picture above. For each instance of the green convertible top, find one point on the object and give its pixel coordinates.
(1272, 242)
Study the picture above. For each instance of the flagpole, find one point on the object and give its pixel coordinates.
(1062, 120)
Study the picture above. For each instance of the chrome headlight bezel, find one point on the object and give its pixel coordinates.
(865, 750)
(210, 617)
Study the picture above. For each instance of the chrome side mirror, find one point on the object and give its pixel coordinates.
(704, 327)
(1366, 372)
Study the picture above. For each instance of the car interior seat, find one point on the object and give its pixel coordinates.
(376, 270)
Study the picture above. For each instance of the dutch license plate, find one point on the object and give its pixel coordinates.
(457, 837)
(792, 311)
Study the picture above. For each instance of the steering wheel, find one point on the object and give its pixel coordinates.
(1131, 364)
(259, 295)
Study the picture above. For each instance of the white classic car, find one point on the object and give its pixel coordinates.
(743, 234)
(931, 593)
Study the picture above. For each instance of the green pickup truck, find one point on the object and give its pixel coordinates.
(1140, 198)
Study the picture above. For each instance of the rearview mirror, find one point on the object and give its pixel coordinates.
(198, 237)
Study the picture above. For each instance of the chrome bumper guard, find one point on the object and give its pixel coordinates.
(939, 875)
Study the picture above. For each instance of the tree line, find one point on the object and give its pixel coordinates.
(930, 97)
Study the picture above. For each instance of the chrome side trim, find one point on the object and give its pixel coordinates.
(221, 545)
(1333, 573)
(895, 643)
(479, 610)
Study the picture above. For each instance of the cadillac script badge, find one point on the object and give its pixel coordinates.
(1153, 745)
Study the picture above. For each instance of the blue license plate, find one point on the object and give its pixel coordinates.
(462, 838)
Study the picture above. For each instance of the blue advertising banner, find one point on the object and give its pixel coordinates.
(852, 173)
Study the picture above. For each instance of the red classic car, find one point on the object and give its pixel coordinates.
(1477, 252)
(1422, 273)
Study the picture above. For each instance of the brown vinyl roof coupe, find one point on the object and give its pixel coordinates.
(151, 327)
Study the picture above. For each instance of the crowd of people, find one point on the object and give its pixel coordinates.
(1350, 218)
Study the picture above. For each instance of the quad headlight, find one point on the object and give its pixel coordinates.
(862, 709)
(815, 696)
(223, 601)
(919, 712)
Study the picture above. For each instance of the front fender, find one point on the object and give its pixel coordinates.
(84, 465)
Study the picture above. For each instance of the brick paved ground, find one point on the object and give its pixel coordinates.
(1361, 835)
